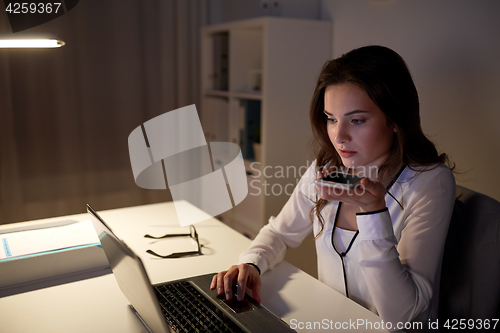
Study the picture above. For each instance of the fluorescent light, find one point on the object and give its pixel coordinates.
(29, 40)
(30, 43)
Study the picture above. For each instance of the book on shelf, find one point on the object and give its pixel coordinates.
(249, 127)
(221, 61)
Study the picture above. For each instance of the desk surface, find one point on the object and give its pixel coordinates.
(97, 305)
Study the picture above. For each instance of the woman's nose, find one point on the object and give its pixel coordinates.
(342, 133)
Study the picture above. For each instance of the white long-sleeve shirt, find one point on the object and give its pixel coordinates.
(393, 267)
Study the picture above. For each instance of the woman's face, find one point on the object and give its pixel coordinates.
(357, 128)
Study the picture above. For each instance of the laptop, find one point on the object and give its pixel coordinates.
(186, 305)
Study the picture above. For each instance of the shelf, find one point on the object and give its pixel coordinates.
(238, 94)
(217, 93)
(247, 95)
(272, 67)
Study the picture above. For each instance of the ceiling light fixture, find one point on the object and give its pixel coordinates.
(18, 40)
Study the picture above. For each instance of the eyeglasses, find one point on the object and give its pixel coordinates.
(193, 234)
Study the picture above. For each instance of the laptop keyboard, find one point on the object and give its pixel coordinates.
(187, 310)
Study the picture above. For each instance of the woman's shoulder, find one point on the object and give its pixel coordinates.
(429, 176)
(307, 171)
(306, 184)
(433, 170)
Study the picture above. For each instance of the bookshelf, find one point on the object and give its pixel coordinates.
(257, 79)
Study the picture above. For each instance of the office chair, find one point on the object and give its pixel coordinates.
(470, 276)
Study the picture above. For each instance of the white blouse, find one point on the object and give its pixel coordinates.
(394, 264)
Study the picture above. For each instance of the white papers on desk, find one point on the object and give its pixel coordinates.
(30, 242)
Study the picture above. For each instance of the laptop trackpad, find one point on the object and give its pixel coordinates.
(246, 304)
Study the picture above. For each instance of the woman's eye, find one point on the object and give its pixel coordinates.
(331, 120)
(357, 121)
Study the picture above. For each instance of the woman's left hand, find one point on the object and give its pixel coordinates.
(367, 194)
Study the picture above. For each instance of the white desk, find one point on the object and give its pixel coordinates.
(97, 305)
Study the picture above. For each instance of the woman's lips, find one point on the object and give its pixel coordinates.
(346, 153)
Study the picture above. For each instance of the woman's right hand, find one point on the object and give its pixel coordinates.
(244, 275)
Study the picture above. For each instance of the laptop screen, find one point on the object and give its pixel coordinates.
(130, 274)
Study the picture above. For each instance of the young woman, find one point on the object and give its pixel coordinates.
(381, 244)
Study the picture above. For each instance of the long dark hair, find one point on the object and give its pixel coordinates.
(384, 76)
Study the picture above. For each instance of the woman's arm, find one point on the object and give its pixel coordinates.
(401, 275)
(288, 229)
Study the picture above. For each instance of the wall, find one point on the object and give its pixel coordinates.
(452, 49)
(66, 113)
(230, 10)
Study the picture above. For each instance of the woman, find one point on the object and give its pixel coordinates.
(381, 244)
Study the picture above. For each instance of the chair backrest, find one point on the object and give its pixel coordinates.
(470, 277)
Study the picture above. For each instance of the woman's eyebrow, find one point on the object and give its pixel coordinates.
(350, 113)
(354, 112)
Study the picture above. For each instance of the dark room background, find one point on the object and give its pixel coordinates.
(66, 113)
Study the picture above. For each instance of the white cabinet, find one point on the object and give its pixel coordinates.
(257, 80)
